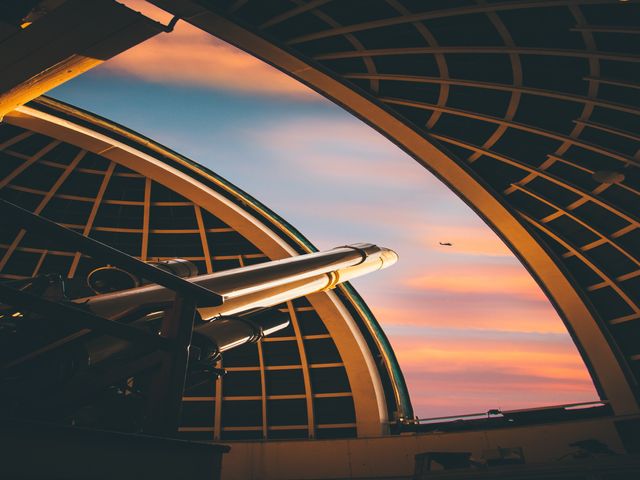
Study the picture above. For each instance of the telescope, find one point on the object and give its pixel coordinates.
(244, 291)
(244, 316)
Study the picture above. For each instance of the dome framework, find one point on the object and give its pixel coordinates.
(330, 374)
(528, 110)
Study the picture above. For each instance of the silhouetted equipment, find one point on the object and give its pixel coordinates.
(80, 453)
(16, 12)
(590, 447)
(503, 456)
(93, 31)
(446, 460)
(112, 279)
(255, 286)
(499, 419)
(120, 360)
(611, 467)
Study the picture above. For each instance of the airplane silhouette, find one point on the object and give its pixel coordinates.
(446, 244)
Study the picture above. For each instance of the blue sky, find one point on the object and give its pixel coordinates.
(471, 329)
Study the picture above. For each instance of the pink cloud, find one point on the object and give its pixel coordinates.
(506, 280)
(189, 56)
(448, 313)
(465, 375)
(345, 152)
(315, 132)
(471, 296)
(438, 395)
(519, 358)
(446, 374)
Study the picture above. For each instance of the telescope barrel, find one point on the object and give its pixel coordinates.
(258, 286)
(241, 319)
(234, 283)
(244, 290)
(231, 331)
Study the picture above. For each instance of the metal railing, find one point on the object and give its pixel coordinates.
(498, 413)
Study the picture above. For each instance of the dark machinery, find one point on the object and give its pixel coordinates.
(100, 361)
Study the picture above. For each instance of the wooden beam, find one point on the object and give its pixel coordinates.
(203, 238)
(547, 52)
(43, 203)
(305, 370)
(145, 220)
(543, 174)
(606, 29)
(518, 126)
(575, 251)
(92, 215)
(293, 12)
(613, 81)
(394, 77)
(603, 237)
(68, 41)
(442, 13)
(33, 159)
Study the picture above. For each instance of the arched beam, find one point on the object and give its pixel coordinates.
(552, 52)
(539, 92)
(439, 13)
(603, 361)
(366, 384)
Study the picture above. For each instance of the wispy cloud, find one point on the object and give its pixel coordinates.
(474, 294)
(470, 314)
(504, 280)
(190, 57)
(463, 375)
(470, 327)
(475, 284)
(348, 152)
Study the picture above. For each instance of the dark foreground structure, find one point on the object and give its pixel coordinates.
(528, 110)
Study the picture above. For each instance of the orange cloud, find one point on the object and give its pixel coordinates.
(505, 280)
(499, 356)
(344, 151)
(189, 56)
(471, 296)
(439, 395)
(351, 134)
(465, 370)
(490, 316)
(448, 375)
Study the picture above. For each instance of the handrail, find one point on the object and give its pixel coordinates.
(497, 413)
(31, 221)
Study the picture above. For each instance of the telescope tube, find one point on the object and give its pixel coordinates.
(257, 286)
(244, 290)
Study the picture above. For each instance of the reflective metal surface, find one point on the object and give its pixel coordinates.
(256, 286)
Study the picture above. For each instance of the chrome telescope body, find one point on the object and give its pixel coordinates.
(257, 286)
(243, 290)
(70, 358)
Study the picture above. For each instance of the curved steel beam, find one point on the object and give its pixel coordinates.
(604, 362)
(359, 361)
(441, 13)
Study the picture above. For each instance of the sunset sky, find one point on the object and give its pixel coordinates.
(471, 329)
